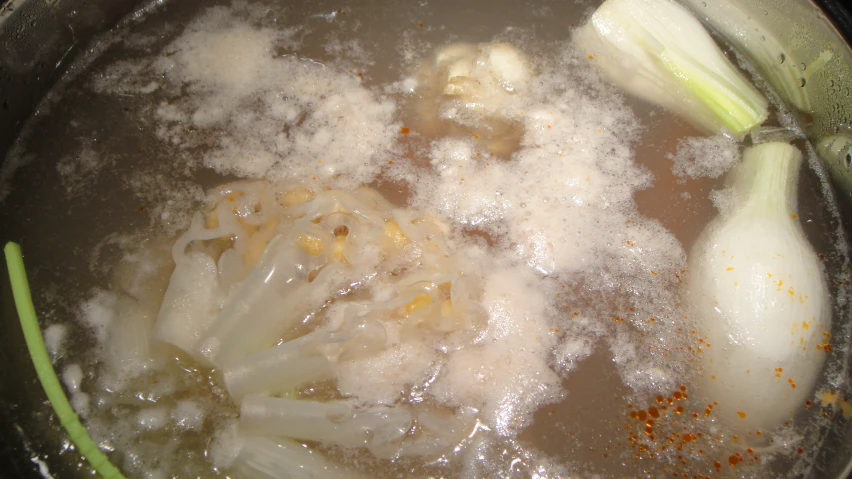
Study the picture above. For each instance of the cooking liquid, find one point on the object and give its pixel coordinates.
(116, 158)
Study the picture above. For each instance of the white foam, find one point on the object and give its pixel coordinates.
(98, 313)
(468, 190)
(333, 127)
(699, 157)
(505, 373)
(386, 377)
(725, 200)
(188, 415)
(581, 334)
(54, 340)
(72, 376)
(80, 404)
(226, 444)
(567, 189)
(43, 469)
(152, 419)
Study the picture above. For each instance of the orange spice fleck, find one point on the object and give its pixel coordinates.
(404, 131)
(741, 414)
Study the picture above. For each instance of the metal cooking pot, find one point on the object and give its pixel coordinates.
(39, 39)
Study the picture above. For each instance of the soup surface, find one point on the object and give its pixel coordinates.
(489, 272)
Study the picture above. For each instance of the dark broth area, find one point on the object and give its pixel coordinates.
(76, 227)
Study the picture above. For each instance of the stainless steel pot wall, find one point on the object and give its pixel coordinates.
(40, 38)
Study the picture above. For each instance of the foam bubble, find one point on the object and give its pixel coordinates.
(699, 157)
(333, 127)
(72, 376)
(226, 444)
(505, 373)
(98, 313)
(54, 340)
(386, 377)
(725, 200)
(152, 419)
(188, 414)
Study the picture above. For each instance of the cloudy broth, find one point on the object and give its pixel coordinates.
(577, 205)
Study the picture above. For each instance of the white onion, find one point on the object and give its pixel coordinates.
(759, 293)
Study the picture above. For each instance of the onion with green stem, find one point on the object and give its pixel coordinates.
(656, 50)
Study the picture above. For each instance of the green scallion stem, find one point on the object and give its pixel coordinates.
(44, 369)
